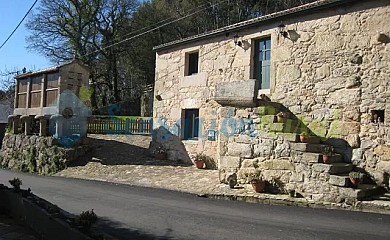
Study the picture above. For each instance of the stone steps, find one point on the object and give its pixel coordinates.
(309, 157)
(363, 191)
(333, 168)
(335, 158)
(340, 180)
(307, 147)
(270, 108)
(383, 197)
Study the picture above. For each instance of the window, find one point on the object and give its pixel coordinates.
(22, 93)
(36, 87)
(377, 116)
(191, 124)
(52, 88)
(262, 62)
(192, 62)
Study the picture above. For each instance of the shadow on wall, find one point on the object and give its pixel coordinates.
(294, 124)
(341, 147)
(172, 144)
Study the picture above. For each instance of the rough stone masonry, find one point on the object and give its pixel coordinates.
(331, 74)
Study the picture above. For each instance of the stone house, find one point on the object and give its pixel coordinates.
(323, 65)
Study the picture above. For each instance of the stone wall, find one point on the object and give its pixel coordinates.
(330, 73)
(36, 154)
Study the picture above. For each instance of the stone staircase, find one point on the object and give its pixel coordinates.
(333, 174)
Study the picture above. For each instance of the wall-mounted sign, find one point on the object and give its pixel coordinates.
(211, 135)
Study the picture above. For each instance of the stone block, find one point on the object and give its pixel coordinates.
(384, 166)
(306, 157)
(282, 149)
(297, 177)
(240, 93)
(264, 148)
(353, 140)
(307, 147)
(229, 162)
(267, 119)
(277, 127)
(239, 150)
(196, 80)
(248, 163)
(367, 143)
(333, 168)
(339, 180)
(383, 151)
(276, 165)
(292, 137)
(363, 191)
(335, 158)
(226, 112)
(267, 110)
(340, 128)
(243, 138)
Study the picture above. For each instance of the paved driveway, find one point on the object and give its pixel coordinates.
(125, 159)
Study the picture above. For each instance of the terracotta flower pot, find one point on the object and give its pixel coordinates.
(354, 181)
(302, 138)
(199, 164)
(325, 159)
(160, 156)
(258, 186)
(280, 119)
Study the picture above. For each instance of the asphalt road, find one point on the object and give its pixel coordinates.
(129, 212)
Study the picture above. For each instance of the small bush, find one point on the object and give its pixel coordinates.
(87, 219)
(16, 183)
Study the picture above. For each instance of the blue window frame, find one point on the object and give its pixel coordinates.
(262, 59)
(191, 124)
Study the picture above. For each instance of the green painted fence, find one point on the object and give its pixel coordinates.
(120, 125)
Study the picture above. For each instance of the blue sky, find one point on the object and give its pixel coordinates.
(14, 53)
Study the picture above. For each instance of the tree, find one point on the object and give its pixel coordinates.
(108, 35)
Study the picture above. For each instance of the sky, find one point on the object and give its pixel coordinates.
(14, 54)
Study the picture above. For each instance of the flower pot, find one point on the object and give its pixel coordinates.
(258, 186)
(199, 164)
(280, 119)
(354, 181)
(326, 159)
(160, 156)
(302, 138)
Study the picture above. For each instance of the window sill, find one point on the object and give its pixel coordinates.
(191, 141)
(263, 91)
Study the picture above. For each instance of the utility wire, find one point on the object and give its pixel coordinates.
(19, 24)
(153, 29)
(167, 19)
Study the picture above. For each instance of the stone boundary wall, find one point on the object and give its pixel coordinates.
(36, 154)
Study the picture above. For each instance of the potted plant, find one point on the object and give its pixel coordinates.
(160, 153)
(355, 178)
(303, 137)
(232, 180)
(257, 181)
(200, 160)
(327, 152)
(281, 117)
